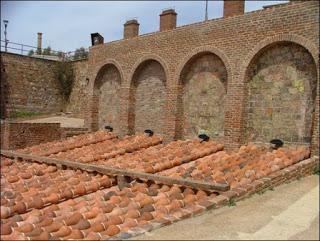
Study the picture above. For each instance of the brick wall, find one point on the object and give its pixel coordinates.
(203, 90)
(107, 92)
(31, 84)
(3, 92)
(20, 135)
(281, 91)
(236, 40)
(131, 29)
(233, 7)
(148, 94)
(220, 92)
(79, 95)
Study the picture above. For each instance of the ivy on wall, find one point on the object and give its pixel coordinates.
(65, 76)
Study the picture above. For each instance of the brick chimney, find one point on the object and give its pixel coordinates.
(168, 20)
(233, 7)
(131, 29)
(39, 44)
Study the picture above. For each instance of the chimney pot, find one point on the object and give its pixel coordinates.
(96, 39)
(168, 19)
(131, 29)
(233, 7)
(39, 43)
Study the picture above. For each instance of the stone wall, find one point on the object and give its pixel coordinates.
(236, 41)
(31, 84)
(20, 135)
(282, 85)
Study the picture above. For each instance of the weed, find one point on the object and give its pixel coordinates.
(232, 203)
(21, 114)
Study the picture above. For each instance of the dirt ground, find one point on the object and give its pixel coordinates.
(65, 121)
(289, 212)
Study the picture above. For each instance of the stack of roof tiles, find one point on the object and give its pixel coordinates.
(28, 185)
(248, 164)
(161, 157)
(36, 212)
(50, 148)
(40, 201)
(108, 148)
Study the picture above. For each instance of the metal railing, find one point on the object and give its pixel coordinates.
(44, 53)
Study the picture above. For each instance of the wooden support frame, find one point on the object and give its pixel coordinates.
(213, 187)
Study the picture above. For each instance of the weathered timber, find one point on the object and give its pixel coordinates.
(116, 171)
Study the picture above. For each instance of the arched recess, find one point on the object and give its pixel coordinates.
(147, 98)
(281, 86)
(201, 96)
(105, 107)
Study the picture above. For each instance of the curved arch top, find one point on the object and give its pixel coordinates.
(199, 50)
(105, 63)
(147, 57)
(293, 38)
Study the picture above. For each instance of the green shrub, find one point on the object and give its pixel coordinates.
(65, 76)
(21, 114)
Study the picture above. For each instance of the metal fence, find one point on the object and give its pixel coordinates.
(44, 53)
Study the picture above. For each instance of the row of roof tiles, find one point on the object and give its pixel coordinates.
(248, 164)
(39, 201)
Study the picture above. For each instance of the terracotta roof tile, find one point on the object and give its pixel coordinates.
(40, 201)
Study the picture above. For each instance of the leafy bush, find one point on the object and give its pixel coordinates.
(80, 53)
(47, 51)
(31, 52)
(65, 76)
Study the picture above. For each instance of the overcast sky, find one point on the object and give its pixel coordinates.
(67, 25)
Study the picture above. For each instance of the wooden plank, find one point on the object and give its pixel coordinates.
(116, 171)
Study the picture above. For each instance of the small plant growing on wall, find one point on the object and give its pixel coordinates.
(65, 76)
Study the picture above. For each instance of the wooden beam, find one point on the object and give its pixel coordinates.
(116, 171)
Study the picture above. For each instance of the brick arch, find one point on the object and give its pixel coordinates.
(145, 58)
(202, 79)
(105, 63)
(148, 88)
(95, 108)
(260, 50)
(306, 43)
(198, 51)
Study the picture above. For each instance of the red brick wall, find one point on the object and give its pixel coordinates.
(233, 7)
(3, 92)
(235, 40)
(20, 135)
(31, 84)
(168, 20)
